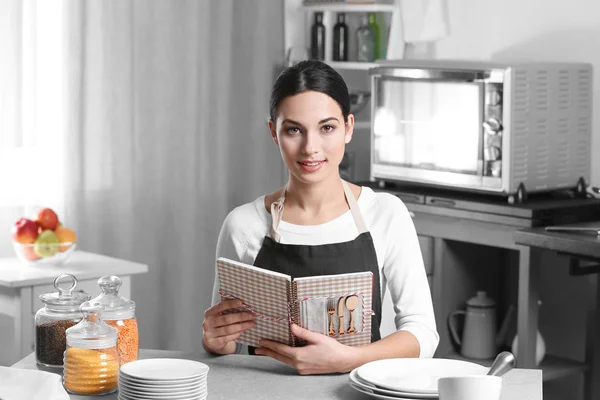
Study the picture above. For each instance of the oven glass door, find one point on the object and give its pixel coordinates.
(428, 125)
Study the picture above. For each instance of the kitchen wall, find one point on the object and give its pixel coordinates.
(532, 30)
(540, 30)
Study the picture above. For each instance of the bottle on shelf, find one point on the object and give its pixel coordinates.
(340, 39)
(317, 38)
(377, 45)
(365, 38)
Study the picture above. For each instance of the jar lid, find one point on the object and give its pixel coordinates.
(115, 305)
(481, 300)
(92, 332)
(65, 297)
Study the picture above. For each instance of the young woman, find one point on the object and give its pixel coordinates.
(318, 224)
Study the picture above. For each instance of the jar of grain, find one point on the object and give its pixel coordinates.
(120, 313)
(91, 359)
(60, 311)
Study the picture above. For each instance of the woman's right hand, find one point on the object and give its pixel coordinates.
(220, 330)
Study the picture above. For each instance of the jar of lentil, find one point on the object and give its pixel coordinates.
(91, 359)
(119, 312)
(60, 311)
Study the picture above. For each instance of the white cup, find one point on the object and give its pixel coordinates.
(470, 387)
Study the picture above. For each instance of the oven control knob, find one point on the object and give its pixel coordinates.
(494, 98)
(492, 153)
(492, 126)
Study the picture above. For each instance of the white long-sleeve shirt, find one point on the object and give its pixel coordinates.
(399, 256)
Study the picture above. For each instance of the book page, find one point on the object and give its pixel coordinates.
(264, 293)
(315, 292)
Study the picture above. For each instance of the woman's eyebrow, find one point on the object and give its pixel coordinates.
(328, 119)
(289, 121)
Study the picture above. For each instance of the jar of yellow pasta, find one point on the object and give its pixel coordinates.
(91, 362)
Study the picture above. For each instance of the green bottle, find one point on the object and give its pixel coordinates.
(365, 40)
(377, 36)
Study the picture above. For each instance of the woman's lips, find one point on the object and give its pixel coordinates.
(311, 166)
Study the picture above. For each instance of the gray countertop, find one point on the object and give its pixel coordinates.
(253, 377)
(573, 243)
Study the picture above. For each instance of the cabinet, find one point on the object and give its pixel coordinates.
(583, 252)
(21, 285)
(472, 247)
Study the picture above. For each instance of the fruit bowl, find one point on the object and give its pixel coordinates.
(46, 254)
(43, 239)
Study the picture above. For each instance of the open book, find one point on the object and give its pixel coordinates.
(335, 305)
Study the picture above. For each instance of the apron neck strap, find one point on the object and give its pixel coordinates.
(277, 212)
(354, 209)
(276, 215)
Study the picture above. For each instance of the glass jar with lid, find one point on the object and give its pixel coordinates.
(119, 312)
(60, 311)
(91, 359)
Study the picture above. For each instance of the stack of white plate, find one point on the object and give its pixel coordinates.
(163, 378)
(409, 378)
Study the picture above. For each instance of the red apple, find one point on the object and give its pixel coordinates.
(29, 253)
(47, 219)
(24, 231)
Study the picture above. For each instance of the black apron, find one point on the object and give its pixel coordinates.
(299, 261)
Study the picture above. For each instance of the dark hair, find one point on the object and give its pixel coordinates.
(310, 75)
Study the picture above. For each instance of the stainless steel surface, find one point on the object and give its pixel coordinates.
(407, 110)
(244, 377)
(390, 172)
(503, 363)
(430, 74)
(582, 229)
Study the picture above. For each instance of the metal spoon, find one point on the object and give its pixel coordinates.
(503, 363)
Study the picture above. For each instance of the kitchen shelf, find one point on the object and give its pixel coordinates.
(552, 367)
(348, 7)
(355, 65)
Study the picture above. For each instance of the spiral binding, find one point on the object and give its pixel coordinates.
(295, 312)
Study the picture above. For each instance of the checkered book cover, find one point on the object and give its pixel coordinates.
(265, 293)
(273, 299)
(335, 285)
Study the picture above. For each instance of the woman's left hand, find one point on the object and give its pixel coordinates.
(321, 355)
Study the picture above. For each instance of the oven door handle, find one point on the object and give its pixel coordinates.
(430, 74)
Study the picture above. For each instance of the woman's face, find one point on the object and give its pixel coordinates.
(311, 134)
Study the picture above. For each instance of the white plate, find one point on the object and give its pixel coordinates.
(415, 375)
(135, 393)
(125, 396)
(377, 396)
(356, 380)
(160, 388)
(160, 369)
(163, 384)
